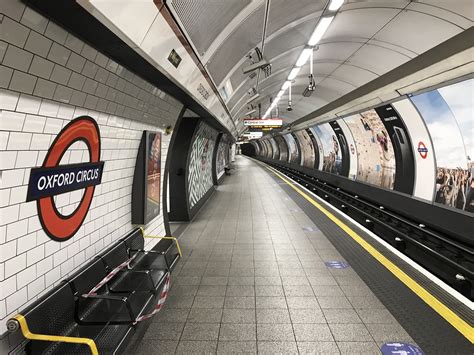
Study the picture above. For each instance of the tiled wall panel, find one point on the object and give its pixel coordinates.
(49, 77)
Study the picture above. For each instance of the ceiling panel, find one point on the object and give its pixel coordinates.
(355, 75)
(417, 32)
(297, 36)
(462, 8)
(283, 12)
(236, 46)
(204, 20)
(359, 23)
(336, 50)
(377, 59)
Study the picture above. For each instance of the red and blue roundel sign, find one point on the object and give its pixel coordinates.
(422, 150)
(52, 179)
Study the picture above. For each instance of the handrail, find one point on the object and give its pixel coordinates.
(23, 325)
(160, 237)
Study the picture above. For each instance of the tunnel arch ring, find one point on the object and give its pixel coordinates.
(57, 226)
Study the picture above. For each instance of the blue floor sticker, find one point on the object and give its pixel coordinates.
(336, 264)
(308, 229)
(401, 349)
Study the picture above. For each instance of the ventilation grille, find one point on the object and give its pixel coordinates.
(204, 20)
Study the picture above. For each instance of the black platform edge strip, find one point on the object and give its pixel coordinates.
(427, 328)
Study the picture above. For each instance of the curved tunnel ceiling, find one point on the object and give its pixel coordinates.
(366, 39)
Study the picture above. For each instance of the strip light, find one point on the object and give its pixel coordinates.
(302, 59)
(294, 72)
(317, 35)
(319, 31)
(335, 5)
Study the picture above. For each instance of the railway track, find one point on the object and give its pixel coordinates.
(449, 260)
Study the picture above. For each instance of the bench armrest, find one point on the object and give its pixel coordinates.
(160, 237)
(19, 321)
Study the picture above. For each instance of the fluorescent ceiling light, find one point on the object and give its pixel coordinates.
(293, 73)
(335, 5)
(304, 57)
(320, 30)
(250, 112)
(286, 85)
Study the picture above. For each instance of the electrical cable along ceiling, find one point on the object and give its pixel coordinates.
(364, 40)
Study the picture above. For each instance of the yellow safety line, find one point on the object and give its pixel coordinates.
(159, 237)
(462, 326)
(32, 336)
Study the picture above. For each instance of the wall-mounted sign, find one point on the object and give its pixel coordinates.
(273, 123)
(174, 58)
(422, 150)
(202, 90)
(252, 135)
(53, 179)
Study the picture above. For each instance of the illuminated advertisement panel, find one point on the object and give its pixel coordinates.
(269, 150)
(307, 150)
(283, 148)
(448, 114)
(332, 157)
(276, 153)
(375, 154)
(293, 156)
(153, 175)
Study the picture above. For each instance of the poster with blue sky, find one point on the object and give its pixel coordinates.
(448, 114)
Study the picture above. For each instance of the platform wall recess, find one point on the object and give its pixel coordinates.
(47, 78)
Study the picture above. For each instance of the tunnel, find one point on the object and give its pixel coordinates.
(236, 176)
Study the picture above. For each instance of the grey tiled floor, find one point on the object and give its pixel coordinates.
(252, 280)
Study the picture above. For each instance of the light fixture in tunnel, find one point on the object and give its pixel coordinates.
(334, 5)
(251, 112)
(293, 73)
(304, 57)
(286, 85)
(320, 30)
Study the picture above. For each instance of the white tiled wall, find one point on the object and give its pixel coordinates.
(49, 77)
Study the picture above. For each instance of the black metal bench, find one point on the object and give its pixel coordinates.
(71, 320)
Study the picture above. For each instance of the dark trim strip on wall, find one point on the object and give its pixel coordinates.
(215, 180)
(169, 158)
(77, 20)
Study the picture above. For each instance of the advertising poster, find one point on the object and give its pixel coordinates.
(307, 149)
(425, 167)
(448, 114)
(153, 175)
(318, 147)
(293, 156)
(221, 158)
(276, 153)
(269, 150)
(282, 147)
(375, 154)
(351, 149)
(200, 163)
(332, 156)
